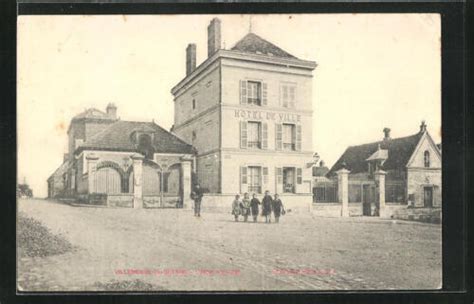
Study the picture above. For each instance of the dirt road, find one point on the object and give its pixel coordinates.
(173, 250)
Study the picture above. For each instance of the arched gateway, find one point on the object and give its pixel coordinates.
(123, 163)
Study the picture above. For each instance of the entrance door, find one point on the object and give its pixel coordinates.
(428, 197)
(366, 200)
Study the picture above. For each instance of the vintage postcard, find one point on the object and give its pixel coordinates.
(276, 152)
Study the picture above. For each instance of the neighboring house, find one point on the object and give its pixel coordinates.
(57, 182)
(412, 163)
(122, 162)
(248, 112)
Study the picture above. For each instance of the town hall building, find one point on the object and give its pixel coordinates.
(247, 111)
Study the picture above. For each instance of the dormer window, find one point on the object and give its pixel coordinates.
(144, 142)
(426, 158)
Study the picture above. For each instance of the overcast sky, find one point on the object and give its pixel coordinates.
(374, 71)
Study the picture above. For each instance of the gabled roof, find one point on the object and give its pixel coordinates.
(399, 152)
(255, 44)
(60, 170)
(117, 137)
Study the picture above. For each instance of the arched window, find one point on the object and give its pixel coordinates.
(427, 159)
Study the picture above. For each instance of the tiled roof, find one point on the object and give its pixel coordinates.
(117, 137)
(254, 44)
(399, 152)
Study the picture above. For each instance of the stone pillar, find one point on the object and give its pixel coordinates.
(380, 181)
(137, 180)
(91, 172)
(343, 190)
(186, 169)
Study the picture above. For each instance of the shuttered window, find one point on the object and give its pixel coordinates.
(289, 135)
(254, 179)
(253, 92)
(253, 135)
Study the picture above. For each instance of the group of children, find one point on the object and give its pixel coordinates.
(246, 206)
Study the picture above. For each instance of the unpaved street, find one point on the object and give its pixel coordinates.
(175, 251)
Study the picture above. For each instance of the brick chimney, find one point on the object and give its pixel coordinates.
(111, 111)
(386, 132)
(190, 58)
(213, 36)
(321, 163)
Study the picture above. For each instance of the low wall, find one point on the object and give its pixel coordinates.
(429, 215)
(214, 202)
(355, 209)
(155, 201)
(392, 208)
(120, 200)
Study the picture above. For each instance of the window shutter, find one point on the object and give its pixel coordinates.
(298, 138)
(264, 135)
(265, 175)
(279, 175)
(264, 94)
(278, 136)
(299, 176)
(243, 92)
(278, 180)
(243, 180)
(243, 134)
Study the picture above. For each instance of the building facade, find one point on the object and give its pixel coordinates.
(248, 113)
(123, 163)
(411, 167)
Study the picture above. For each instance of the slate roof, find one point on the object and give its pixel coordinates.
(117, 137)
(399, 152)
(255, 44)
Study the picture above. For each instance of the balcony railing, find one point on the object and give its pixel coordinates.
(254, 144)
(254, 101)
(255, 188)
(289, 188)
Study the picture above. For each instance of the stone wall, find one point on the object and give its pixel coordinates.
(120, 200)
(418, 178)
